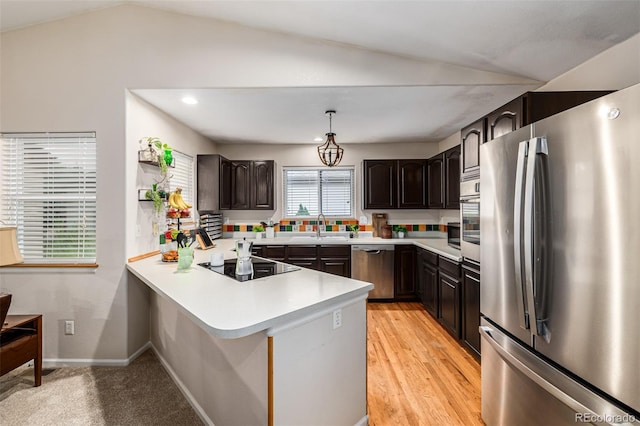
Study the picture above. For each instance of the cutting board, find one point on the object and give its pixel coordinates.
(378, 221)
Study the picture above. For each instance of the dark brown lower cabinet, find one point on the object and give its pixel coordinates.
(427, 280)
(404, 273)
(304, 256)
(450, 296)
(333, 259)
(471, 306)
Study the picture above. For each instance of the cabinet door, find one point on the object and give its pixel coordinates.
(430, 300)
(335, 260)
(380, 190)
(471, 309)
(208, 182)
(262, 185)
(412, 184)
(450, 304)
(275, 252)
(452, 179)
(436, 177)
(305, 256)
(472, 137)
(404, 271)
(240, 185)
(225, 183)
(505, 119)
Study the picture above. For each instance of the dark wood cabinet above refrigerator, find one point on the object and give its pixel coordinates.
(522, 111)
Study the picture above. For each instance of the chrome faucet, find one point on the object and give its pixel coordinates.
(324, 221)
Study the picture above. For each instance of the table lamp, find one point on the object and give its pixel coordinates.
(9, 251)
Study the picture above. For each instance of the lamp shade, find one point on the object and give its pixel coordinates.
(9, 251)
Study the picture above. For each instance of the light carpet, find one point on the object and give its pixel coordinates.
(140, 394)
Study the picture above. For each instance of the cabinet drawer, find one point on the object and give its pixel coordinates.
(274, 252)
(428, 257)
(328, 252)
(16, 352)
(449, 267)
(302, 252)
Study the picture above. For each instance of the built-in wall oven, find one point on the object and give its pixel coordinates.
(470, 219)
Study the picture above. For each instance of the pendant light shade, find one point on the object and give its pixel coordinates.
(330, 152)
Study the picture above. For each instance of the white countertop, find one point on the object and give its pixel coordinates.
(436, 245)
(227, 308)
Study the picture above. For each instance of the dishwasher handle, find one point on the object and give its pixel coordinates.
(372, 251)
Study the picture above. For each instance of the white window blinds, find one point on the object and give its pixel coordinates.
(49, 194)
(310, 191)
(182, 175)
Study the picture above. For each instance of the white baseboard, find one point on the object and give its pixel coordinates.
(363, 421)
(189, 397)
(89, 362)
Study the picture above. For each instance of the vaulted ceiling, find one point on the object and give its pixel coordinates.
(519, 44)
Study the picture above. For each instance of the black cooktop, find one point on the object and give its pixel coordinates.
(261, 268)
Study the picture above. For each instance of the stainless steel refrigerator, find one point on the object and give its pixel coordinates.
(560, 256)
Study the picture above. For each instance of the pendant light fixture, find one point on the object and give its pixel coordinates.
(330, 152)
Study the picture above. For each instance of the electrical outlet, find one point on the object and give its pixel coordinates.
(69, 327)
(337, 318)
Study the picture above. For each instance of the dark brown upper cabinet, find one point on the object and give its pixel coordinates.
(412, 184)
(380, 183)
(213, 173)
(239, 185)
(262, 188)
(452, 179)
(443, 173)
(472, 137)
(395, 184)
(436, 178)
(522, 111)
(225, 184)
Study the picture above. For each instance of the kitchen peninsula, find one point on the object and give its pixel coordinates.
(285, 349)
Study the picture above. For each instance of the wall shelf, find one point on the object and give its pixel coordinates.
(143, 159)
(143, 191)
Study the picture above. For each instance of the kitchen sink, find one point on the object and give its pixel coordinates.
(313, 238)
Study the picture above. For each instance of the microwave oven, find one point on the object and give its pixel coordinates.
(453, 234)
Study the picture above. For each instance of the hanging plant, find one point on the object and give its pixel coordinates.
(154, 195)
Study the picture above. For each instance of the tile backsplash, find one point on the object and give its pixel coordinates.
(333, 225)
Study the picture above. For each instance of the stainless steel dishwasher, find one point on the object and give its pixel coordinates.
(374, 263)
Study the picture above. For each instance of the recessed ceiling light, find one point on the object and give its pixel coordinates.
(189, 100)
(318, 139)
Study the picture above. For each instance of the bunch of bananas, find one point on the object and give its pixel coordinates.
(176, 201)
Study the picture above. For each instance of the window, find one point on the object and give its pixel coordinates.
(49, 194)
(182, 175)
(310, 191)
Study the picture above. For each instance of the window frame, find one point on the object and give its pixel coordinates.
(319, 169)
(17, 190)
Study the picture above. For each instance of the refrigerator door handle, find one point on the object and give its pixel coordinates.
(517, 233)
(537, 146)
(516, 363)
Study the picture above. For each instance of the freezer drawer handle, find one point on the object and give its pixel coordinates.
(577, 407)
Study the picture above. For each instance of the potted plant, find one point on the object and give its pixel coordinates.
(258, 229)
(353, 229)
(165, 153)
(154, 195)
(401, 230)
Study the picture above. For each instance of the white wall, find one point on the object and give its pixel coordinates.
(145, 120)
(73, 74)
(614, 69)
(307, 155)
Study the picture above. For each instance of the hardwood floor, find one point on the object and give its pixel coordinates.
(417, 374)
